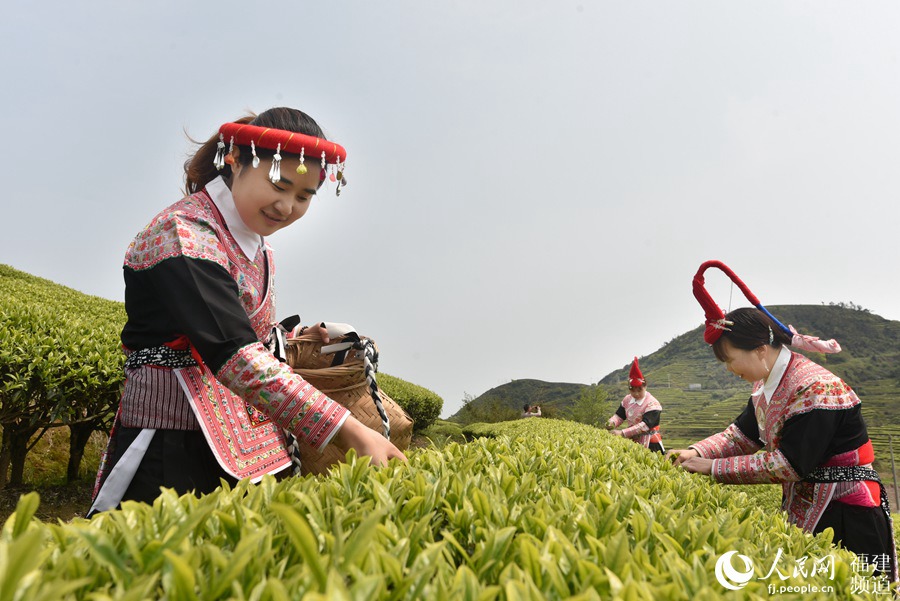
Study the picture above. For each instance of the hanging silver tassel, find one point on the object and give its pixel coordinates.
(275, 171)
(341, 180)
(253, 152)
(219, 161)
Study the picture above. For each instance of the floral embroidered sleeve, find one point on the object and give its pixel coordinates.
(754, 469)
(255, 375)
(649, 421)
(618, 417)
(635, 430)
(740, 438)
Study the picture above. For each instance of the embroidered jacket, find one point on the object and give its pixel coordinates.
(642, 417)
(190, 283)
(813, 419)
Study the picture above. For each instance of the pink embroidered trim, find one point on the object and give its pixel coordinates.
(244, 446)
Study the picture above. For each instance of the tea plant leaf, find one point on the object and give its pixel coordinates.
(304, 541)
(17, 560)
(181, 583)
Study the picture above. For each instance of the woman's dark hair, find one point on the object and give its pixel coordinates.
(526, 408)
(751, 329)
(199, 170)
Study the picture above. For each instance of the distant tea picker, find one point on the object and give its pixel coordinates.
(807, 421)
(641, 411)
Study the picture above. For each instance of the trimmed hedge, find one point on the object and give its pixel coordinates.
(423, 405)
(60, 364)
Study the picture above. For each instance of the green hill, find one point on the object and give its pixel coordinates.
(534, 392)
(700, 397)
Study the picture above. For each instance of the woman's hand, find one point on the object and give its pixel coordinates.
(367, 442)
(319, 330)
(679, 456)
(616, 432)
(698, 465)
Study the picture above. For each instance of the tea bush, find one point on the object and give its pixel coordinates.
(544, 509)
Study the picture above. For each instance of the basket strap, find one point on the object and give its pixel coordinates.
(339, 330)
(277, 343)
(370, 361)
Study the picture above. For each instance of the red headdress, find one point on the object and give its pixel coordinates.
(716, 322)
(635, 377)
(254, 136)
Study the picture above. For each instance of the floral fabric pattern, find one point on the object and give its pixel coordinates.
(193, 228)
(270, 386)
(726, 444)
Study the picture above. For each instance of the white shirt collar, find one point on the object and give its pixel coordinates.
(775, 374)
(247, 239)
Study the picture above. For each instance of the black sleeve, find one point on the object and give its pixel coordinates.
(651, 418)
(193, 297)
(621, 412)
(747, 424)
(810, 439)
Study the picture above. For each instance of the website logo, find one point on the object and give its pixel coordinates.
(731, 578)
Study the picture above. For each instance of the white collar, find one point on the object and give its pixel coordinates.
(247, 239)
(775, 374)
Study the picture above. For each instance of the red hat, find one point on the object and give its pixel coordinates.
(716, 322)
(635, 377)
(715, 317)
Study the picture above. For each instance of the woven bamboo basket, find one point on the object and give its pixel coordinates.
(346, 384)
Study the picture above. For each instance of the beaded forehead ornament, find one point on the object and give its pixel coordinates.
(333, 156)
(716, 322)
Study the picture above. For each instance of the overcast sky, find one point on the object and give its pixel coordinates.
(532, 185)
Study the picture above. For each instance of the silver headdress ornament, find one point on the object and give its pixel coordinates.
(275, 170)
(219, 161)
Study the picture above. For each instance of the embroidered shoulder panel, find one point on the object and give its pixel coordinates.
(805, 386)
(192, 228)
(188, 228)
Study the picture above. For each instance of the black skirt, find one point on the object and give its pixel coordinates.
(176, 459)
(863, 530)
